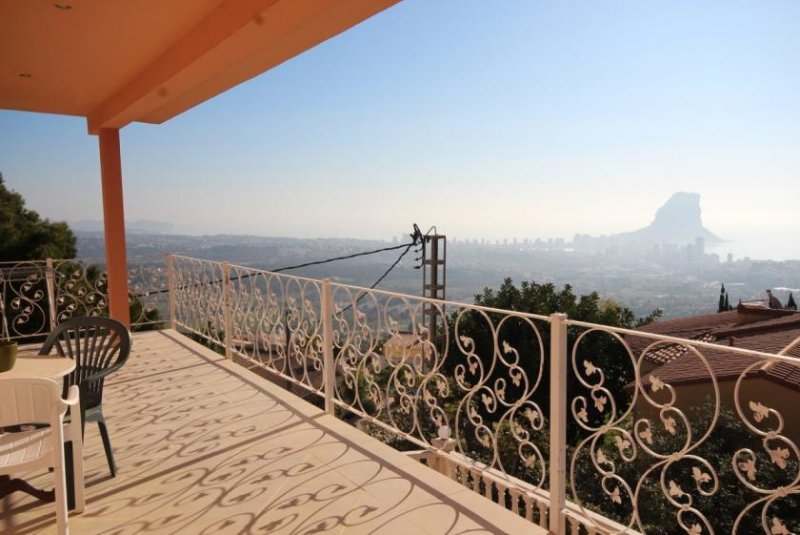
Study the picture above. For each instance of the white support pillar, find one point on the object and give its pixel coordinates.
(227, 310)
(328, 365)
(558, 422)
(171, 290)
(50, 283)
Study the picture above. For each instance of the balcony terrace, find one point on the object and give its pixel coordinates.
(567, 425)
(205, 446)
(526, 423)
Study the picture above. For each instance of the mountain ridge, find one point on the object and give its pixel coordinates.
(677, 222)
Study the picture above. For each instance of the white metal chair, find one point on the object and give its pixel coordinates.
(38, 401)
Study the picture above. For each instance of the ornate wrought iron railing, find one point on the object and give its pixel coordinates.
(36, 295)
(570, 424)
(701, 441)
(408, 385)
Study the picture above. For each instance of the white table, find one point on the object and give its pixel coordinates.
(47, 367)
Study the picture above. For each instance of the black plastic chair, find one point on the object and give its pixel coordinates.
(99, 346)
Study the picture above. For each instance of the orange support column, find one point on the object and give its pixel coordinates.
(114, 225)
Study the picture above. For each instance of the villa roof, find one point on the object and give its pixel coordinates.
(769, 336)
(729, 365)
(745, 321)
(700, 328)
(119, 62)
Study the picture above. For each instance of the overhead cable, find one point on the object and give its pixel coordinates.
(416, 238)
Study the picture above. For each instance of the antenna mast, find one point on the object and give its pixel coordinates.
(434, 277)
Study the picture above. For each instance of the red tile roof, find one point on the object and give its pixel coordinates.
(681, 365)
(699, 328)
(746, 321)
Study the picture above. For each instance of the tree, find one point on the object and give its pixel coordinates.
(724, 301)
(791, 303)
(24, 235)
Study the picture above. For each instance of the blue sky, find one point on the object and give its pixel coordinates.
(487, 119)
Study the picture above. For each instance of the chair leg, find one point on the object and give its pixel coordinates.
(61, 499)
(69, 472)
(78, 491)
(76, 494)
(101, 423)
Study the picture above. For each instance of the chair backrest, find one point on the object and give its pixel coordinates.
(94, 343)
(30, 401)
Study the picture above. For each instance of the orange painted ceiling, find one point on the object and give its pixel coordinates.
(119, 61)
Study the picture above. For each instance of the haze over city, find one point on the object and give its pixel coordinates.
(490, 120)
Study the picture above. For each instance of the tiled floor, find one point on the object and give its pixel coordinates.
(204, 446)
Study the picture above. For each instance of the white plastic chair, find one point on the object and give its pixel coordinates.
(38, 401)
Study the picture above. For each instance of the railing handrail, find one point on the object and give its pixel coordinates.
(538, 317)
(362, 289)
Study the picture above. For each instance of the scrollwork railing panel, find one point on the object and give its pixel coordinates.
(277, 324)
(148, 289)
(472, 374)
(680, 448)
(198, 295)
(24, 309)
(476, 380)
(37, 295)
(80, 289)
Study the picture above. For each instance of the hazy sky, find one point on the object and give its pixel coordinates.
(486, 118)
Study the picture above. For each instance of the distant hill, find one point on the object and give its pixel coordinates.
(677, 222)
(140, 226)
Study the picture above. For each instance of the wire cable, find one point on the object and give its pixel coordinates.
(346, 257)
(416, 238)
(385, 274)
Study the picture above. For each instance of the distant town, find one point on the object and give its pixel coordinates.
(664, 266)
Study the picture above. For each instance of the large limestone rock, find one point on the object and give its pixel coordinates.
(678, 222)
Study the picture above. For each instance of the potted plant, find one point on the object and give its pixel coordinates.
(8, 347)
